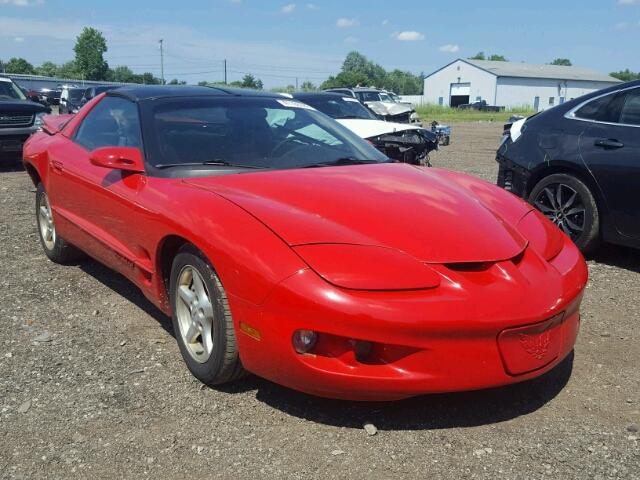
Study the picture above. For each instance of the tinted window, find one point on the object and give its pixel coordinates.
(11, 91)
(603, 109)
(114, 122)
(251, 132)
(368, 96)
(631, 108)
(339, 107)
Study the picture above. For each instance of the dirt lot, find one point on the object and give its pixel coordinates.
(92, 385)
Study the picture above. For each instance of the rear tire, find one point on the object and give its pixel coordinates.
(202, 319)
(55, 247)
(568, 202)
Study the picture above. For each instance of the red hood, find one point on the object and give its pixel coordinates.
(421, 212)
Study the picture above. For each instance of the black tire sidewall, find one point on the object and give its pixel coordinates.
(590, 236)
(212, 371)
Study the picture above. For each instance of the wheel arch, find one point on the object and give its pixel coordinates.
(33, 174)
(167, 250)
(569, 169)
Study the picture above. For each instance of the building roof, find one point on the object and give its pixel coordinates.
(528, 70)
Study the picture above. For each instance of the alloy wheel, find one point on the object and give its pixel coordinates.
(563, 206)
(195, 314)
(45, 223)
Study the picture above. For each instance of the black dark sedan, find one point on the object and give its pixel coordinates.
(579, 163)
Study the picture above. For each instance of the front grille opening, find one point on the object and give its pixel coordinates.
(469, 266)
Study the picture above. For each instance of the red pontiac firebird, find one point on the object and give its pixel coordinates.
(283, 245)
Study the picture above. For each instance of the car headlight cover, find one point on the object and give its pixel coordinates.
(543, 236)
(367, 267)
(38, 122)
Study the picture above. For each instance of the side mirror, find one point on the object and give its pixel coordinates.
(127, 159)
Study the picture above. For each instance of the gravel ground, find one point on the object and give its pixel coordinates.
(92, 385)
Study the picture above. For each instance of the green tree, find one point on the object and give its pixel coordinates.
(122, 74)
(498, 58)
(626, 75)
(403, 83)
(175, 81)
(19, 65)
(562, 61)
(287, 89)
(148, 79)
(90, 49)
(47, 69)
(308, 86)
(68, 70)
(478, 56)
(249, 81)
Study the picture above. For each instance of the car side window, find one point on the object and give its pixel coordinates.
(603, 109)
(114, 122)
(631, 109)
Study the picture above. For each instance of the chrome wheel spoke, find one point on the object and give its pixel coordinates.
(192, 333)
(207, 338)
(198, 285)
(187, 296)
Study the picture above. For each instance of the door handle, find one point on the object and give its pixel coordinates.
(57, 166)
(608, 143)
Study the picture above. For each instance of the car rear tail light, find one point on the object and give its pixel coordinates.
(304, 340)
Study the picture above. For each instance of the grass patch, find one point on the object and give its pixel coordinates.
(428, 113)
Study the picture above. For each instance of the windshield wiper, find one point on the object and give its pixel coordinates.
(340, 161)
(222, 163)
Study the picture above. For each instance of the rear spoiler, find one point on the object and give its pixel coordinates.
(52, 124)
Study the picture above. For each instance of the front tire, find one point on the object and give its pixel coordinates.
(202, 319)
(54, 246)
(568, 202)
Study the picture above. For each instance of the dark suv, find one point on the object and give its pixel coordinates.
(579, 164)
(19, 118)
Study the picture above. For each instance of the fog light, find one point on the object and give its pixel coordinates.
(304, 340)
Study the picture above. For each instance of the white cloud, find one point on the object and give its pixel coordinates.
(22, 3)
(346, 22)
(288, 8)
(385, 22)
(449, 48)
(18, 39)
(408, 36)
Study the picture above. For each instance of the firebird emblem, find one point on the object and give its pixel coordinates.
(536, 345)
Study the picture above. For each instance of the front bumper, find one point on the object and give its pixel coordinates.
(457, 337)
(512, 177)
(12, 140)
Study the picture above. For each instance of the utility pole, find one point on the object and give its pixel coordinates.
(296, 84)
(161, 62)
(225, 71)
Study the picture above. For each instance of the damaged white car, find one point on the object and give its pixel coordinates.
(403, 142)
(382, 104)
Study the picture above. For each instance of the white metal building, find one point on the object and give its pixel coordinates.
(510, 84)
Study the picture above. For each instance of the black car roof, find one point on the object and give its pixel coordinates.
(150, 92)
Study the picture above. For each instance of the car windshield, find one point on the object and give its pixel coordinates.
(339, 107)
(369, 96)
(247, 132)
(10, 90)
(75, 94)
(386, 98)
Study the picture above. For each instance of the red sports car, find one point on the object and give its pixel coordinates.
(283, 245)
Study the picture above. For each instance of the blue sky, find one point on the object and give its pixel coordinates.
(281, 40)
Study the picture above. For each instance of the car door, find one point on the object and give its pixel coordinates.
(100, 206)
(610, 148)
